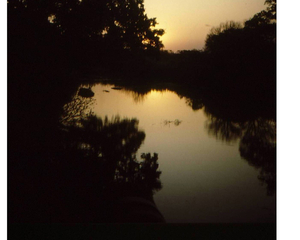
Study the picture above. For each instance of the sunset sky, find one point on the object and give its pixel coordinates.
(186, 23)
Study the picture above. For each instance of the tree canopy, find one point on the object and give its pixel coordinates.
(264, 17)
(246, 51)
(81, 27)
(262, 22)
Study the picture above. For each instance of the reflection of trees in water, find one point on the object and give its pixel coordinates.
(98, 158)
(239, 115)
(224, 130)
(140, 92)
(257, 144)
(229, 121)
(137, 96)
(106, 150)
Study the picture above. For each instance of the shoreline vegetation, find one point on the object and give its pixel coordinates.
(237, 64)
(116, 39)
(55, 46)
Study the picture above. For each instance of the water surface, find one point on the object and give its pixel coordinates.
(207, 174)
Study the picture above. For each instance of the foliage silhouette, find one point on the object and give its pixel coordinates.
(264, 17)
(58, 36)
(48, 40)
(218, 35)
(236, 57)
(245, 54)
(99, 158)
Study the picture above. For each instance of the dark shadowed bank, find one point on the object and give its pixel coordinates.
(66, 171)
(84, 170)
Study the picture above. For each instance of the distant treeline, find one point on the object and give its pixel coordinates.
(117, 39)
(235, 55)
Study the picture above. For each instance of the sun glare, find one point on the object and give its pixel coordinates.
(186, 23)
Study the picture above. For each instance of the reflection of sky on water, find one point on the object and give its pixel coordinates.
(204, 179)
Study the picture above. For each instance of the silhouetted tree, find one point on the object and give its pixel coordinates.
(226, 47)
(264, 17)
(87, 24)
(244, 54)
(219, 35)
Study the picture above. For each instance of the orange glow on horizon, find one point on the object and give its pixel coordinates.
(186, 23)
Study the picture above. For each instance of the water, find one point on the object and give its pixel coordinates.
(208, 175)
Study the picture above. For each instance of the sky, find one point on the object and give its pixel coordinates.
(187, 22)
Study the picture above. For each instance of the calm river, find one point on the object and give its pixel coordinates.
(207, 172)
